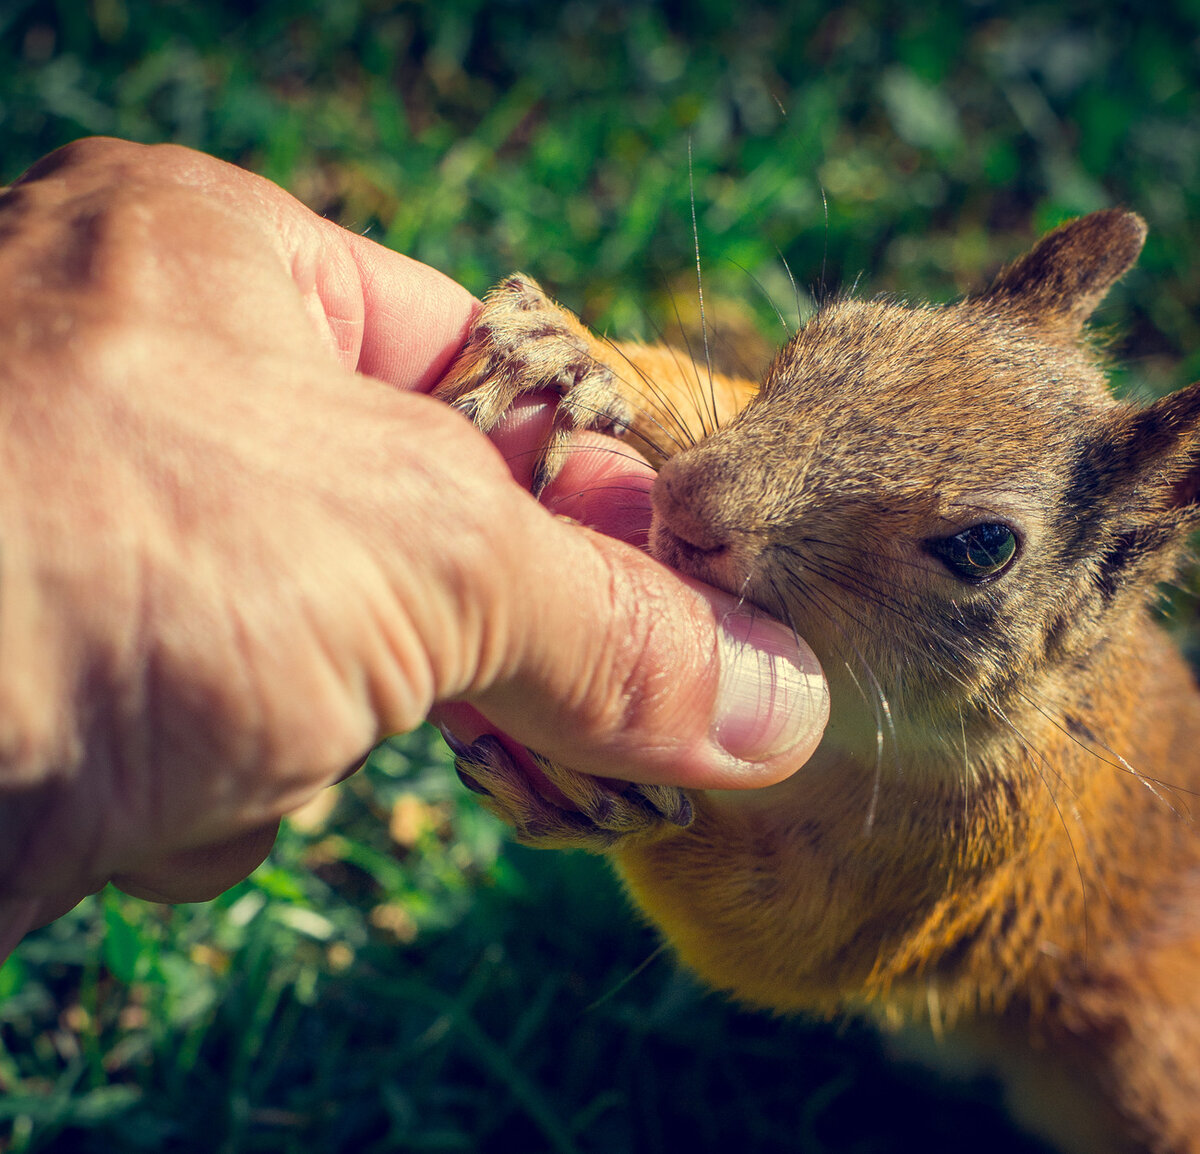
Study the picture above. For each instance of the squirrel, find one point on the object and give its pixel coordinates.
(950, 507)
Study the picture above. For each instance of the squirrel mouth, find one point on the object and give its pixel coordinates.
(679, 553)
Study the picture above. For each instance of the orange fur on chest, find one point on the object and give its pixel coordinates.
(790, 901)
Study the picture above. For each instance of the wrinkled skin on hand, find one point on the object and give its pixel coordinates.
(238, 544)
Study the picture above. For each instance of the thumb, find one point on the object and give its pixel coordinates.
(623, 668)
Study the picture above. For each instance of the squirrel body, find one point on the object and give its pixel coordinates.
(968, 529)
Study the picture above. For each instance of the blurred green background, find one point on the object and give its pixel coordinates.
(398, 977)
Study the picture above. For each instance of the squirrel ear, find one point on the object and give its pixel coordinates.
(1164, 440)
(1059, 282)
(1140, 480)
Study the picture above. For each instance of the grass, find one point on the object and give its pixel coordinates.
(398, 977)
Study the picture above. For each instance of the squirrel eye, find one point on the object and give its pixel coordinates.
(977, 553)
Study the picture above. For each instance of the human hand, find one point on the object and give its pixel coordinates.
(238, 545)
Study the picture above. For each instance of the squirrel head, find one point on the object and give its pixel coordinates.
(946, 501)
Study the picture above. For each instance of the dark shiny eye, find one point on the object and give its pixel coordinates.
(977, 553)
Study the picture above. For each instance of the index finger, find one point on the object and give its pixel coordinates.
(415, 319)
(603, 484)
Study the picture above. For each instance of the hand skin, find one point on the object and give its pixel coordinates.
(239, 545)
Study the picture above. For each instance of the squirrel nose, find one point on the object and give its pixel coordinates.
(686, 501)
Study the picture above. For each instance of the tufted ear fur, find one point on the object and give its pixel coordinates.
(1060, 281)
(1133, 494)
(1164, 450)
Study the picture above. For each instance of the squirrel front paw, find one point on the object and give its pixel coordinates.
(521, 343)
(553, 807)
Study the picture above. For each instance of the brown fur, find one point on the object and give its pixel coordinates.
(998, 819)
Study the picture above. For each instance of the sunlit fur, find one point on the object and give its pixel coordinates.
(999, 818)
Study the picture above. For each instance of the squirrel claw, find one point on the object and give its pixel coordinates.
(554, 807)
(522, 343)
